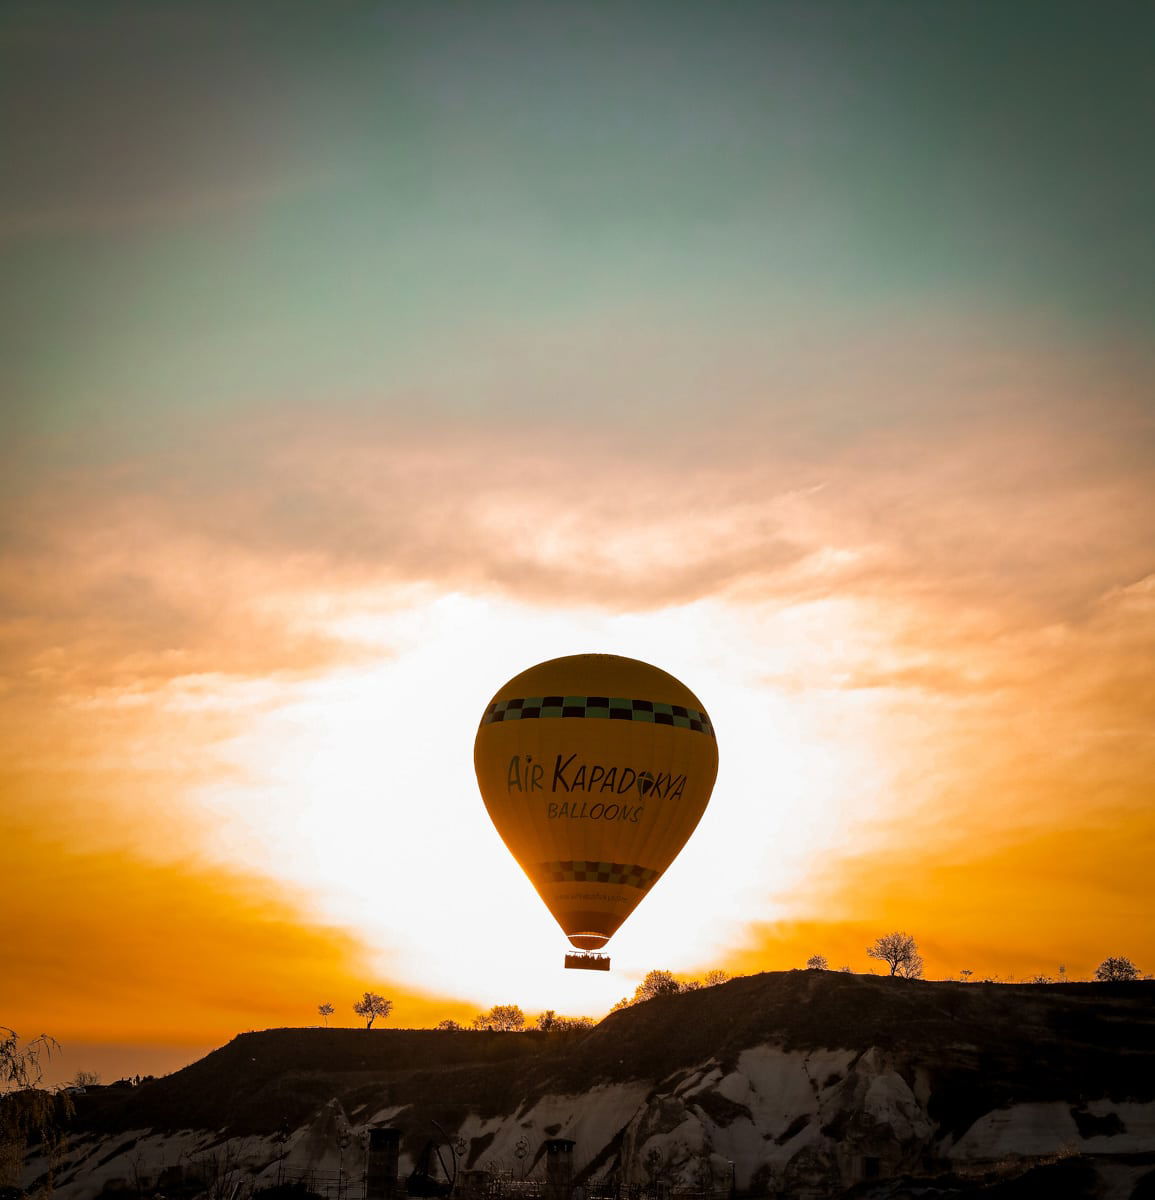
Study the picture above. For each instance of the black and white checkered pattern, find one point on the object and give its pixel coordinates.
(578, 871)
(607, 708)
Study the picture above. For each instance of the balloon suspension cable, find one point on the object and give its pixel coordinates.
(587, 962)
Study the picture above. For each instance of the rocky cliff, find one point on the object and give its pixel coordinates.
(798, 1084)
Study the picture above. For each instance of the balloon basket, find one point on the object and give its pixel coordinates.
(587, 962)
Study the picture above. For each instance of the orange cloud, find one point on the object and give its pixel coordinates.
(236, 563)
(1023, 907)
(1021, 821)
(112, 947)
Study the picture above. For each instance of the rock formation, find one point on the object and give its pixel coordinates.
(798, 1084)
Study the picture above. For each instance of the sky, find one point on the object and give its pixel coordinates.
(359, 356)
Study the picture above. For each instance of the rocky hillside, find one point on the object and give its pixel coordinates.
(810, 1083)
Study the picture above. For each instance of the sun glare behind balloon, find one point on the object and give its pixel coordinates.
(359, 788)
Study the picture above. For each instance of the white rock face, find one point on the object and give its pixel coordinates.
(784, 1122)
(1037, 1130)
(88, 1165)
(773, 1104)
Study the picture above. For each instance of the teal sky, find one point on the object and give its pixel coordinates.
(219, 206)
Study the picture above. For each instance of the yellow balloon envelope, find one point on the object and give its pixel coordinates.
(595, 770)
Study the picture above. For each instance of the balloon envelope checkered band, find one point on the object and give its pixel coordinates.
(595, 770)
(577, 871)
(608, 708)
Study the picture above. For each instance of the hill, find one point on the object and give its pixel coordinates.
(827, 1077)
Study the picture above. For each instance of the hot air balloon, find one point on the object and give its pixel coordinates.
(595, 770)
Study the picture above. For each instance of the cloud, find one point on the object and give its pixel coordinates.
(171, 951)
(210, 554)
(1015, 836)
(1011, 904)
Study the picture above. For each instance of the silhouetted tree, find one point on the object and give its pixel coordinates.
(817, 962)
(550, 1022)
(656, 983)
(965, 974)
(1116, 970)
(26, 1109)
(139, 1176)
(326, 1010)
(20, 1065)
(221, 1169)
(900, 952)
(713, 978)
(505, 1018)
(568, 1023)
(86, 1079)
(371, 1006)
(449, 1026)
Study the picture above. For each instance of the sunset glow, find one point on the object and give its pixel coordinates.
(406, 365)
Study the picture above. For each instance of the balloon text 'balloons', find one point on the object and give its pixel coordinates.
(595, 770)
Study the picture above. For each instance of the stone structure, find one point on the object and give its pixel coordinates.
(559, 1168)
(381, 1167)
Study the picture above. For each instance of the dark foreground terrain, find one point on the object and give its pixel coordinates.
(811, 1083)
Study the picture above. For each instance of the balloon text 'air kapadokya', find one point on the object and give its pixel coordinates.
(595, 769)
